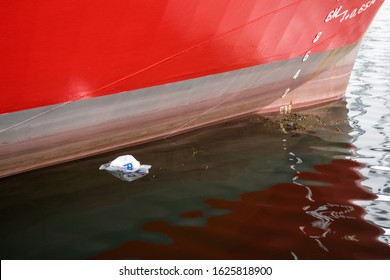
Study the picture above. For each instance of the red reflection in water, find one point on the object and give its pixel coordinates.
(282, 222)
(192, 214)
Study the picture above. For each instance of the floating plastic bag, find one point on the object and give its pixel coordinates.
(126, 168)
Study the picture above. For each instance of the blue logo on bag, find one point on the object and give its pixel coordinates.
(128, 166)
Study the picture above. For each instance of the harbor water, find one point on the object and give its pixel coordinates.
(314, 185)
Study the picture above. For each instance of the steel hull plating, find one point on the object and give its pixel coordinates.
(73, 130)
(83, 77)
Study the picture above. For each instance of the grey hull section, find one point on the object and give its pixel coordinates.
(49, 135)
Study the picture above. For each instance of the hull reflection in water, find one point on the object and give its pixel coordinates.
(288, 220)
(244, 189)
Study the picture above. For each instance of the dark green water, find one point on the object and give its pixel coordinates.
(75, 211)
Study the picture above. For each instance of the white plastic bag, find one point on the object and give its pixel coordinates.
(126, 168)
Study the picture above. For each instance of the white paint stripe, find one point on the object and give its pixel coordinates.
(33, 117)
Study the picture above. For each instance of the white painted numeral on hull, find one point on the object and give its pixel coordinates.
(317, 37)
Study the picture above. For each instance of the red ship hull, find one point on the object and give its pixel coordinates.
(83, 77)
